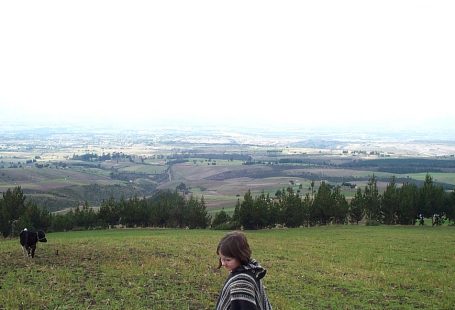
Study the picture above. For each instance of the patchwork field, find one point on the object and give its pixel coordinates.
(63, 168)
(221, 184)
(334, 267)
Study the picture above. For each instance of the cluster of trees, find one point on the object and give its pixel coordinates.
(16, 213)
(103, 157)
(164, 209)
(402, 165)
(396, 205)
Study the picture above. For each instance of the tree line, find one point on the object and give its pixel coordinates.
(103, 157)
(163, 209)
(398, 204)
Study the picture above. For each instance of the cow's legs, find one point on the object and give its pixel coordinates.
(24, 251)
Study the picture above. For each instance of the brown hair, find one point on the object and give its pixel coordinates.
(234, 245)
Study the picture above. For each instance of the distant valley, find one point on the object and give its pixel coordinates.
(61, 168)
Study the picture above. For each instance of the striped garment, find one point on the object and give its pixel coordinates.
(243, 290)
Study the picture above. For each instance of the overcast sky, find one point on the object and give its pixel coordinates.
(305, 63)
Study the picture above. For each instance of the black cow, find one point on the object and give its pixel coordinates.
(29, 240)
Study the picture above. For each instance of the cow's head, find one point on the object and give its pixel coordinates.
(41, 236)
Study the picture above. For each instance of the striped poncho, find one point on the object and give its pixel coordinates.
(243, 290)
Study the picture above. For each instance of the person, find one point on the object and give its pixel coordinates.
(243, 289)
(421, 220)
(435, 220)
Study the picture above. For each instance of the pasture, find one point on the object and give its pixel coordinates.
(333, 267)
(46, 179)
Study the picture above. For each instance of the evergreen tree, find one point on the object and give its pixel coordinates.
(311, 188)
(199, 217)
(274, 216)
(85, 217)
(160, 209)
(307, 206)
(372, 201)
(261, 210)
(11, 209)
(323, 204)
(357, 207)
(34, 218)
(5, 227)
(292, 209)
(236, 215)
(408, 204)
(390, 203)
(450, 206)
(431, 200)
(246, 213)
(109, 212)
(221, 218)
(181, 211)
(143, 212)
(132, 213)
(341, 206)
(62, 222)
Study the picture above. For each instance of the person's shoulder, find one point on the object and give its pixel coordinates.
(241, 283)
(242, 276)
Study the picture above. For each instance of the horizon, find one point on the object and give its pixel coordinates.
(211, 131)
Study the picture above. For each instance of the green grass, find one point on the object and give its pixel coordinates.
(147, 169)
(444, 177)
(336, 267)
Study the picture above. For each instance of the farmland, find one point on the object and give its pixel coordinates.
(333, 267)
(63, 168)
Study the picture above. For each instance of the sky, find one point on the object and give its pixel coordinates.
(264, 63)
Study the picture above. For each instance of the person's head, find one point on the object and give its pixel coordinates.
(233, 250)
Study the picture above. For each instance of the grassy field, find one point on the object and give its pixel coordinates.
(145, 169)
(49, 179)
(437, 177)
(336, 267)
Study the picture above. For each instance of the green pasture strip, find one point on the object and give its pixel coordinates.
(157, 162)
(212, 197)
(436, 176)
(92, 171)
(365, 174)
(333, 267)
(37, 186)
(197, 191)
(144, 181)
(43, 195)
(146, 169)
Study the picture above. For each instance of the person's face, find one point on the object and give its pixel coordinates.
(229, 263)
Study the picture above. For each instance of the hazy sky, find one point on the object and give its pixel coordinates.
(297, 62)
